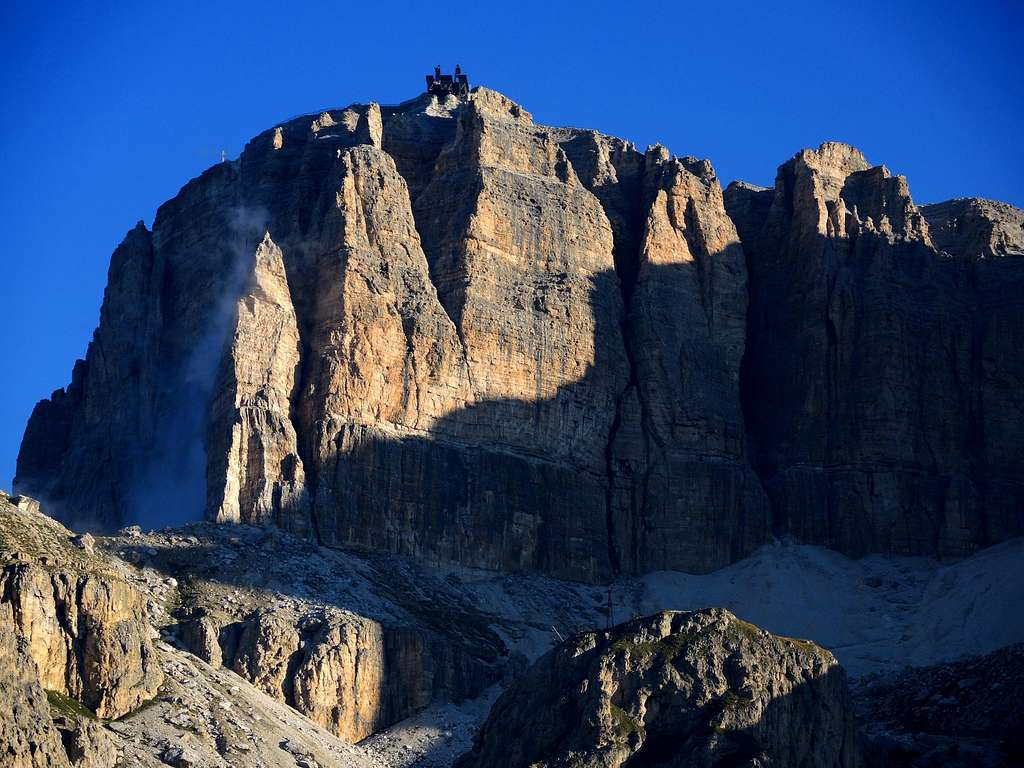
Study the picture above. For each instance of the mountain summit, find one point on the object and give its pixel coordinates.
(442, 329)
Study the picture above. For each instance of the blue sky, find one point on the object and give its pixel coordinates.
(109, 108)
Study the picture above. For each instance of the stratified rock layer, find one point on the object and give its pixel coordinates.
(674, 689)
(879, 371)
(441, 329)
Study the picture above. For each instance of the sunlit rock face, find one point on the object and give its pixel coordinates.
(445, 330)
(82, 628)
(26, 731)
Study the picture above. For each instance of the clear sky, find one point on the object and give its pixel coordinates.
(108, 108)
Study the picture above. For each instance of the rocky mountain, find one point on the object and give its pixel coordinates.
(442, 329)
(882, 359)
(83, 627)
(674, 689)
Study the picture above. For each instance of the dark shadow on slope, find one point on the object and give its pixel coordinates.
(776, 737)
(543, 718)
(956, 714)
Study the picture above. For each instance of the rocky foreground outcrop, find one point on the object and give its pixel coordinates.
(444, 330)
(280, 613)
(75, 644)
(674, 689)
(275, 622)
(27, 736)
(84, 628)
(39, 728)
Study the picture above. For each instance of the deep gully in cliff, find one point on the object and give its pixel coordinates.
(172, 486)
(306, 356)
(626, 257)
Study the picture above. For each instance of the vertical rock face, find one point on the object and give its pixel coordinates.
(695, 502)
(84, 629)
(255, 473)
(521, 254)
(384, 364)
(674, 689)
(876, 370)
(333, 671)
(442, 329)
(87, 635)
(27, 736)
(348, 673)
(681, 493)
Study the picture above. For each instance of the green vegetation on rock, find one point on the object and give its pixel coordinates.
(65, 705)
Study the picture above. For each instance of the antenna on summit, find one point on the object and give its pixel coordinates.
(439, 84)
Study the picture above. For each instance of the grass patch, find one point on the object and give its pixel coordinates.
(808, 647)
(732, 701)
(624, 723)
(69, 707)
(746, 628)
(669, 647)
(805, 644)
(145, 704)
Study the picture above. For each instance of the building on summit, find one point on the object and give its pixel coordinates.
(448, 85)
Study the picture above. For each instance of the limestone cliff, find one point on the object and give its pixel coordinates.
(442, 329)
(83, 627)
(28, 738)
(881, 354)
